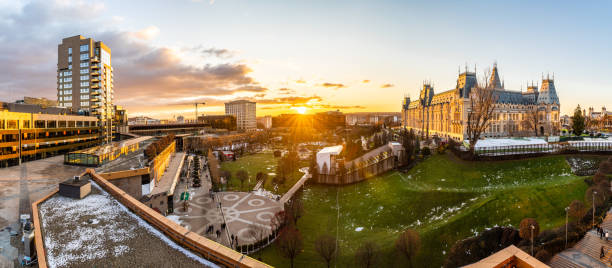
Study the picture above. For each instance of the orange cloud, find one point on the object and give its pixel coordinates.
(387, 85)
(333, 85)
(366, 81)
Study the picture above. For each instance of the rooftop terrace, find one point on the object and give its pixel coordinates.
(98, 231)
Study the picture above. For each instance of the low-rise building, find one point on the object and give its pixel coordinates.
(30, 131)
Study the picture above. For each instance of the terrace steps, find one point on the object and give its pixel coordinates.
(586, 252)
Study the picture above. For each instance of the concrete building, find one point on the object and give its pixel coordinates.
(245, 114)
(374, 118)
(445, 114)
(265, 121)
(29, 132)
(326, 159)
(43, 102)
(120, 120)
(85, 79)
(219, 121)
(143, 120)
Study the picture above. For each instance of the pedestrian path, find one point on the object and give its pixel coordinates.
(586, 253)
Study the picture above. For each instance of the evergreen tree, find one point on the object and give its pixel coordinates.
(578, 121)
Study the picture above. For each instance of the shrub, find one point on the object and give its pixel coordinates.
(543, 255)
(426, 151)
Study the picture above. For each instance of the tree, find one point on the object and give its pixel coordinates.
(213, 165)
(480, 113)
(577, 210)
(531, 120)
(242, 175)
(594, 193)
(290, 243)
(326, 246)
(257, 233)
(408, 244)
(525, 228)
(295, 208)
(578, 121)
(279, 220)
(366, 255)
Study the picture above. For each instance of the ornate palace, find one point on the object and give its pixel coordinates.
(445, 114)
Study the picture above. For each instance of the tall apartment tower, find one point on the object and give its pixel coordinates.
(244, 111)
(85, 80)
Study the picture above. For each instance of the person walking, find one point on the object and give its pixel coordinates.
(606, 235)
(601, 254)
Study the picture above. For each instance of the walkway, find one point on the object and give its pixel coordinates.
(296, 186)
(169, 179)
(586, 252)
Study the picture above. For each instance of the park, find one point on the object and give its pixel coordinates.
(445, 199)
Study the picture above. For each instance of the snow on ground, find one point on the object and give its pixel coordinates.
(92, 228)
(263, 192)
(175, 218)
(509, 142)
(146, 189)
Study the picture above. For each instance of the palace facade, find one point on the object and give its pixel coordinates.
(445, 114)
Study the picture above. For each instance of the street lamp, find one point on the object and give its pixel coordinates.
(594, 193)
(532, 228)
(566, 213)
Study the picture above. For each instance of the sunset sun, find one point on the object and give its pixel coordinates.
(300, 110)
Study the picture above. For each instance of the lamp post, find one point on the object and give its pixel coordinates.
(566, 216)
(594, 193)
(532, 228)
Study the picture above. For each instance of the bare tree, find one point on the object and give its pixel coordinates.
(531, 120)
(326, 246)
(290, 243)
(408, 243)
(366, 255)
(257, 233)
(295, 208)
(482, 104)
(577, 210)
(242, 175)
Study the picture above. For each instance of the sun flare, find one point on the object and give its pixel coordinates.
(300, 110)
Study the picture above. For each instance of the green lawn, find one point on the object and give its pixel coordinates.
(443, 198)
(261, 162)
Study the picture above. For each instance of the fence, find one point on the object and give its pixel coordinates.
(572, 146)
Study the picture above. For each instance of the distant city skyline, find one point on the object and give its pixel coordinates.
(307, 57)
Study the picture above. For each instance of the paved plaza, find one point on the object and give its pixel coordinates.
(240, 211)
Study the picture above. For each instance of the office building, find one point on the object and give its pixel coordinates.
(85, 80)
(30, 132)
(245, 114)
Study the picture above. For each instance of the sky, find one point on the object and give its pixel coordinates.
(352, 56)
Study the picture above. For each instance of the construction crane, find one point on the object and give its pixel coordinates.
(196, 110)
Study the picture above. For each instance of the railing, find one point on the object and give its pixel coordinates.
(550, 148)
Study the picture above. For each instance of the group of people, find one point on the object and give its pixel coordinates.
(602, 233)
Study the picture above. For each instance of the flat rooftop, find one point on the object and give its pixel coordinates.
(98, 231)
(133, 160)
(100, 150)
(332, 149)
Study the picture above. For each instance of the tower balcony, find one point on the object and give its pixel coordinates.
(95, 73)
(95, 92)
(95, 86)
(95, 79)
(95, 99)
(95, 66)
(95, 59)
